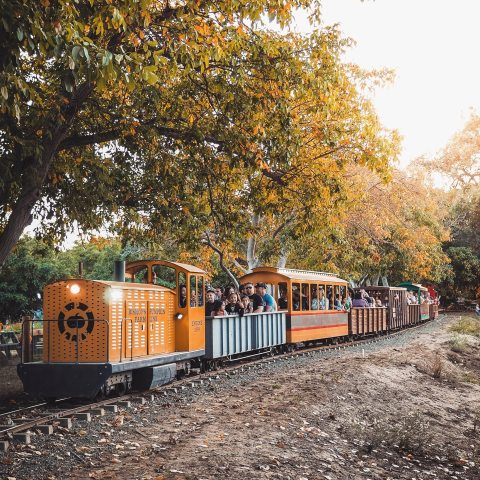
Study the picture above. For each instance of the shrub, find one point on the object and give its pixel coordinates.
(467, 326)
(458, 343)
(409, 432)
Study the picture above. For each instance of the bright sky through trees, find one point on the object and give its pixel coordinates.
(433, 45)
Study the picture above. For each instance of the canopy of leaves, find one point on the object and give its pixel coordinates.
(393, 231)
(183, 121)
(459, 161)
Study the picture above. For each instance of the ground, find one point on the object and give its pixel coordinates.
(407, 408)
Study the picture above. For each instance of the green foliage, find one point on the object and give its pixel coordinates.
(467, 326)
(464, 277)
(33, 264)
(169, 121)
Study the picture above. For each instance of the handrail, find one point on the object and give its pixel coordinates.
(28, 344)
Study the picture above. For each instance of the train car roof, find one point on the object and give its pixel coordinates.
(379, 287)
(294, 274)
(184, 266)
(416, 286)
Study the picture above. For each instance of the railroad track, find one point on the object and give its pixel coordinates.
(16, 426)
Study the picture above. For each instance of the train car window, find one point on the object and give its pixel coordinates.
(322, 299)
(282, 296)
(330, 297)
(200, 286)
(164, 276)
(296, 296)
(141, 275)
(193, 290)
(314, 297)
(182, 290)
(305, 296)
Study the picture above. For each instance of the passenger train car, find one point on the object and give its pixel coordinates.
(148, 326)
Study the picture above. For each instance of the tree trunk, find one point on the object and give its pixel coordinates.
(282, 261)
(232, 277)
(251, 258)
(36, 173)
(385, 281)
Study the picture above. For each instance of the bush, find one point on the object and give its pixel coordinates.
(409, 432)
(458, 343)
(467, 326)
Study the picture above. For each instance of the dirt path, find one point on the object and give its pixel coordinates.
(407, 411)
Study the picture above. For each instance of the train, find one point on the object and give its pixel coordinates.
(148, 326)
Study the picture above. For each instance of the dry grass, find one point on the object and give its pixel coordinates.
(459, 343)
(409, 432)
(467, 326)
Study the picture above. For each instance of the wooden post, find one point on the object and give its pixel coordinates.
(26, 339)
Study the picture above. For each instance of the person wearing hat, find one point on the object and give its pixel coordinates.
(210, 303)
(261, 289)
(255, 299)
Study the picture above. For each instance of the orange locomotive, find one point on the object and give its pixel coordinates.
(101, 336)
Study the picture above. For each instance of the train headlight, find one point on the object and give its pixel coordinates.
(116, 294)
(179, 316)
(75, 288)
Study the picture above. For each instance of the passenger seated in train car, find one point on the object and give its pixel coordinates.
(347, 305)
(314, 303)
(257, 300)
(261, 289)
(411, 298)
(246, 304)
(283, 300)
(241, 289)
(359, 301)
(378, 303)
(219, 293)
(304, 302)
(338, 303)
(193, 298)
(219, 309)
(210, 303)
(183, 296)
(228, 290)
(233, 306)
(296, 300)
(370, 300)
(323, 302)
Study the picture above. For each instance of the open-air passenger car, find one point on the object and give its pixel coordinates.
(308, 298)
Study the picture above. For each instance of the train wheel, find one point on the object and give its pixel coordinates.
(101, 394)
(121, 388)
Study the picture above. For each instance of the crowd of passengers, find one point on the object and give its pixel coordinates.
(361, 299)
(249, 298)
(253, 298)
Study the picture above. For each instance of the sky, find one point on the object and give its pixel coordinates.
(434, 48)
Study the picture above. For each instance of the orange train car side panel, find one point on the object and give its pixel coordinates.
(190, 330)
(106, 321)
(161, 326)
(316, 333)
(76, 327)
(135, 323)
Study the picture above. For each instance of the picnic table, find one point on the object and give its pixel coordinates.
(9, 343)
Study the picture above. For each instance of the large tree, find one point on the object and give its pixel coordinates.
(157, 117)
(76, 75)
